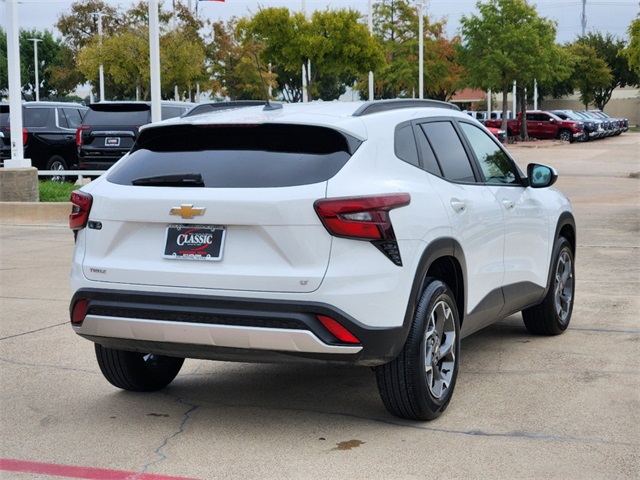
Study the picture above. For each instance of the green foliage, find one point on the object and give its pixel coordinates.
(125, 54)
(4, 64)
(608, 48)
(51, 191)
(632, 52)
(509, 42)
(590, 73)
(336, 44)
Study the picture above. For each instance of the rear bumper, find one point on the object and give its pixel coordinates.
(220, 328)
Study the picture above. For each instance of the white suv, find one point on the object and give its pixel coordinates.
(376, 233)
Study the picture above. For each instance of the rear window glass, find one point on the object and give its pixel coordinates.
(99, 117)
(237, 156)
(35, 117)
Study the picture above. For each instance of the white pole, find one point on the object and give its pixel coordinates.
(304, 71)
(514, 100)
(35, 63)
(535, 94)
(15, 105)
(371, 87)
(101, 69)
(489, 104)
(154, 60)
(420, 51)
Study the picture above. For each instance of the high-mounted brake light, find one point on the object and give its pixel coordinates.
(79, 135)
(81, 205)
(364, 218)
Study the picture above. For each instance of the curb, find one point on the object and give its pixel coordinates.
(35, 213)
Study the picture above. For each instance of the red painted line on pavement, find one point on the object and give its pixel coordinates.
(87, 473)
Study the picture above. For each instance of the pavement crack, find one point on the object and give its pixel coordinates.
(186, 416)
(44, 365)
(32, 331)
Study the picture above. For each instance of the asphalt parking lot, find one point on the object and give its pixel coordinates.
(525, 407)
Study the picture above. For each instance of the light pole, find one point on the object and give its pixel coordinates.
(370, 33)
(420, 50)
(100, 15)
(35, 62)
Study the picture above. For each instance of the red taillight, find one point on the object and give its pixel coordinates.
(337, 330)
(25, 135)
(79, 135)
(365, 218)
(79, 311)
(81, 205)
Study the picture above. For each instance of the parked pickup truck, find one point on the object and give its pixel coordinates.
(543, 125)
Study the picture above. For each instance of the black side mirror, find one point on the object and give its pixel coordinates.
(541, 176)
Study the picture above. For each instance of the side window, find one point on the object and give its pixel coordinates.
(428, 157)
(73, 117)
(171, 112)
(62, 119)
(532, 117)
(35, 117)
(405, 145)
(496, 165)
(451, 155)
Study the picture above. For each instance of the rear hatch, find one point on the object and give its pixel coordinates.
(217, 207)
(110, 129)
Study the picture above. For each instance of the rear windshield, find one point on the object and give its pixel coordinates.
(116, 118)
(237, 156)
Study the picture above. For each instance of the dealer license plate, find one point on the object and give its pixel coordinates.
(194, 242)
(112, 141)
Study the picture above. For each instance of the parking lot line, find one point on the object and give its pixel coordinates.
(72, 471)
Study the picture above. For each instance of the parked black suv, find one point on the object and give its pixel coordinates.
(110, 128)
(48, 133)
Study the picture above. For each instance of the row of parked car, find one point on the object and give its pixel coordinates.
(63, 136)
(569, 125)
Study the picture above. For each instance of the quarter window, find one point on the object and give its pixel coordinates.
(450, 154)
(405, 145)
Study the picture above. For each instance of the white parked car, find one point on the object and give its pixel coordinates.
(376, 233)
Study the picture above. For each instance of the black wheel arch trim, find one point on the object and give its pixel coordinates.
(566, 227)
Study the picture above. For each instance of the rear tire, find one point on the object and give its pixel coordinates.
(137, 372)
(419, 383)
(57, 163)
(552, 316)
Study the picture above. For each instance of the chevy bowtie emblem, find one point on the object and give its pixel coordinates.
(187, 211)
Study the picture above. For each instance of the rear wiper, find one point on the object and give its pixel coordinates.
(171, 180)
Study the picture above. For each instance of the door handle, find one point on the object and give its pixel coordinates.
(508, 204)
(69, 137)
(458, 205)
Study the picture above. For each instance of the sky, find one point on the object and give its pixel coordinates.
(612, 16)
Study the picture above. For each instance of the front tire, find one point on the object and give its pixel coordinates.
(137, 372)
(419, 383)
(552, 316)
(565, 135)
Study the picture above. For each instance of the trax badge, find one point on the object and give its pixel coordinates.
(187, 211)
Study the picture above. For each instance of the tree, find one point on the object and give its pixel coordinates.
(509, 42)
(632, 52)
(396, 28)
(336, 44)
(4, 64)
(590, 73)
(608, 48)
(125, 54)
(48, 56)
